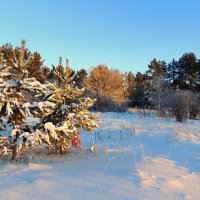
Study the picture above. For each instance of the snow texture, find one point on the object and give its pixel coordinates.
(136, 157)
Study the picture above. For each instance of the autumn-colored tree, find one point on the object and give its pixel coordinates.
(106, 85)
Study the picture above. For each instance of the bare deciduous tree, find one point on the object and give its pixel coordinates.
(182, 104)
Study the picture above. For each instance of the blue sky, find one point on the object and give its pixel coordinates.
(123, 34)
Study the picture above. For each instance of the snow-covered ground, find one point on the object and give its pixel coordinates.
(138, 157)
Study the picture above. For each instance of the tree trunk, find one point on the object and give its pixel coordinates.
(14, 155)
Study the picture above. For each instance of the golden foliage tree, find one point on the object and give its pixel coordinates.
(107, 86)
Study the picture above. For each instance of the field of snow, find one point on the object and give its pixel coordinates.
(137, 157)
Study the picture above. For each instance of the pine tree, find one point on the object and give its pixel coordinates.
(35, 68)
(61, 113)
(13, 81)
(130, 79)
(140, 89)
(156, 68)
(198, 77)
(172, 73)
(81, 75)
(187, 75)
(70, 113)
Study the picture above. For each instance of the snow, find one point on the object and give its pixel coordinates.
(5, 151)
(52, 130)
(135, 157)
(39, 105)
(32, 84)
(14, 132)
(187, 133)
(5, 74)
(163, 175)
(9, 111)
(73, 105)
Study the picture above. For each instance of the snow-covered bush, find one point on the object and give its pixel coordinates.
(180, 104)
(56, 117)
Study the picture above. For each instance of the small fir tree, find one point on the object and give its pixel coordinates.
(57, 115)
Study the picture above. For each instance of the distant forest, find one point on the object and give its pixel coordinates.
(170, 88)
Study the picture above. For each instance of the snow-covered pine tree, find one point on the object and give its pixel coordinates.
(71, 111)
(14, 82)
(59, 111)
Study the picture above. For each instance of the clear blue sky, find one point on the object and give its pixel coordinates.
(124, 34)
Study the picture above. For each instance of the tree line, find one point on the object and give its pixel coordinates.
(162, 86)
